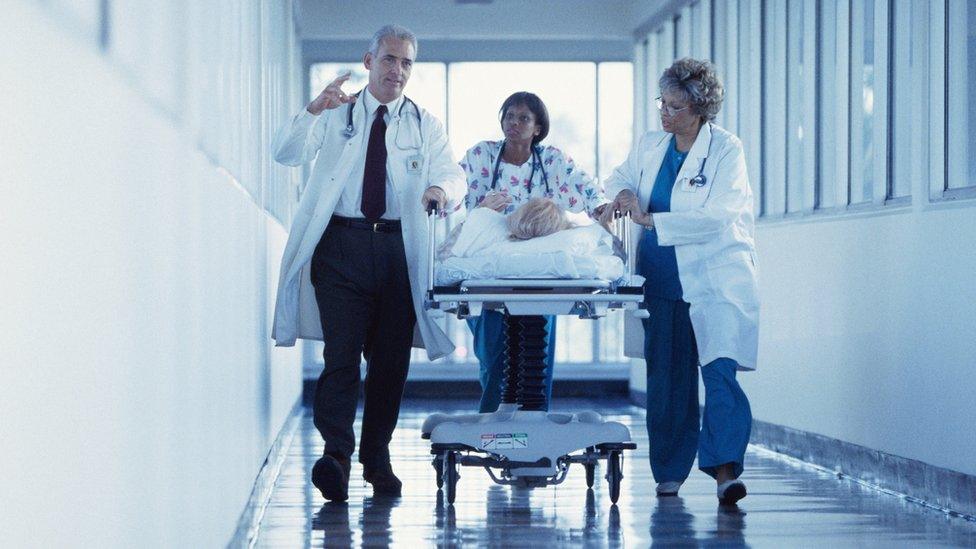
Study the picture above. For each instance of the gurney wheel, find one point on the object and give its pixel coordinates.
(590, 474)
(439, 471)
(614, 475)
(450, 475)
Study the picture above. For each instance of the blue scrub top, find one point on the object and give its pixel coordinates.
(657, 263)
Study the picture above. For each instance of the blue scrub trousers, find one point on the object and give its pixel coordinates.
(672, 399)
(489, 346)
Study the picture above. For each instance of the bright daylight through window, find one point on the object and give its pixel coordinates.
(591, 111)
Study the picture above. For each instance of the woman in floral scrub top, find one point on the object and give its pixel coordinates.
(503, 175)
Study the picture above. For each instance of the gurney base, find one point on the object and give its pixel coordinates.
(526, 449)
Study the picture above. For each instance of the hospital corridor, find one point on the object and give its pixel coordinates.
(488, 273)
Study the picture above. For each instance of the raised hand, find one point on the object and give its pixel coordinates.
(332, 96)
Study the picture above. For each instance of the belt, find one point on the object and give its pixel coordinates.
(381, 226)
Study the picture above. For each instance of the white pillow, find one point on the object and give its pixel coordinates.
(550, 265)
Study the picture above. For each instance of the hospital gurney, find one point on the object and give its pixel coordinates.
(528, 446)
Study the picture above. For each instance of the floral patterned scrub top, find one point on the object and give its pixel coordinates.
(570, 187)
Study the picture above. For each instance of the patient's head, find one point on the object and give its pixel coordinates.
(537, 217)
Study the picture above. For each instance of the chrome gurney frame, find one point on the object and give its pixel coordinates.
(586, 298)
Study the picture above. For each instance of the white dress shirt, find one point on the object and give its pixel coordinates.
(350, 202)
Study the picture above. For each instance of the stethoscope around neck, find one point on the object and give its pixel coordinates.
(350, 129)
(536, 161)
(700, 180)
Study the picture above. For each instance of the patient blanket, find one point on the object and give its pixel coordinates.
(483, 250)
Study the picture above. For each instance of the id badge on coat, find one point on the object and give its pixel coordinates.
(414, 163)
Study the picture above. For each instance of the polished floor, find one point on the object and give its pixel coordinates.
(789, 504)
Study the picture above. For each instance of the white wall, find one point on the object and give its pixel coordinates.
(868, 332)
(139, 391)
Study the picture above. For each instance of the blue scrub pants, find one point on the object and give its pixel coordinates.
(672, 399)
(489, 346)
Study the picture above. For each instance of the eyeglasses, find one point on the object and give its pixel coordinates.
(521, 119)
(668, 109)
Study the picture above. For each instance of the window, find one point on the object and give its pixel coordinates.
(840, 104)
(904, 98)
(700, 19)
(961, 79)
(751, 35)
(567, 89)
(774, 109)
(642, 52)
(800, 112)
(616, 115)
(682, 34)
(725, 47)
(868, 101)
(833, 83)
(663, 56)
(591, 109)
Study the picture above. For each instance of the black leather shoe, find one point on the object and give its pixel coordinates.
(384, 482)
(331, 476)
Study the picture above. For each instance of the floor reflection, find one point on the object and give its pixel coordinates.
(333, 520)
(671, 523)
(788, 505)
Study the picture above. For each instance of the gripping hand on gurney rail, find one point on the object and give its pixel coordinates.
(535, 250)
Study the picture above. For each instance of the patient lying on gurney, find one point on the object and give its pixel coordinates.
(535, 241)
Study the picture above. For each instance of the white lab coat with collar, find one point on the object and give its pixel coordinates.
(712, 231)
(322, 137)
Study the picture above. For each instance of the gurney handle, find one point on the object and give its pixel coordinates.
(623, 228)
(432, 214)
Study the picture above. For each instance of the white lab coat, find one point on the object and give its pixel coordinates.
(307, 136)
(711, 229)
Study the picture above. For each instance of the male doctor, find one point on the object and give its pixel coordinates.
(352, 273)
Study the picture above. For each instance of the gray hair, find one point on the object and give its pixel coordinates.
(697, 80)
(537, 217)
(395, 32)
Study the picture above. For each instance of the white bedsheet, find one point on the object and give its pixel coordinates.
(483, 250)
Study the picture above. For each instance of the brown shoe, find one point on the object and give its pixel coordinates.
(384, 482)
(331, 476)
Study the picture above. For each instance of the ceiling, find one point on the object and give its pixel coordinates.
(496, 20)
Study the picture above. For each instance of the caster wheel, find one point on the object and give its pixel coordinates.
(450, 476)
(439, 471)
(614, 475)
(590, 474)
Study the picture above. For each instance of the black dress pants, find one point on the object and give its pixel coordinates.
(363, 294)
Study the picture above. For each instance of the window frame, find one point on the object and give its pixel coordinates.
(774, 99)
(956, 153)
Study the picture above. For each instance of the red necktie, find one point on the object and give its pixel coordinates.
(374, 176)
